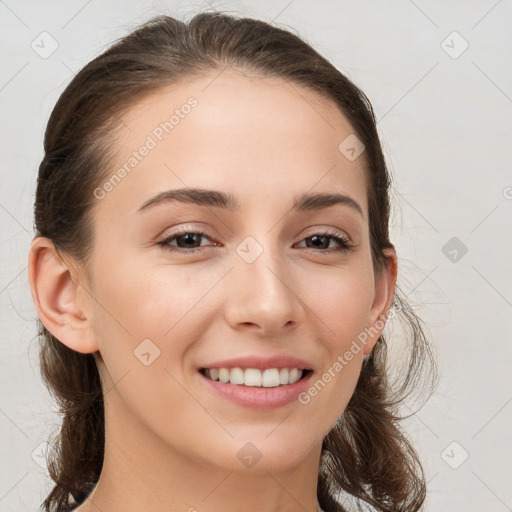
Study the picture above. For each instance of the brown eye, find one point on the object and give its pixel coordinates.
(321, 241)
(184, 239)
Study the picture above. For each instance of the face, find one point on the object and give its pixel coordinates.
(181, 285)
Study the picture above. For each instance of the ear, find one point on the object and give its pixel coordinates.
(55, 290)
(385, 282)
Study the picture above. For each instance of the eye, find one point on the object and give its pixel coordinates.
(318, 242)
(183, 239)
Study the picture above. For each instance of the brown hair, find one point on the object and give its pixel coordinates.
(365, 454)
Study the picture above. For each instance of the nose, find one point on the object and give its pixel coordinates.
(263, 295)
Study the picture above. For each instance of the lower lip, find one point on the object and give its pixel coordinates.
(259, 397)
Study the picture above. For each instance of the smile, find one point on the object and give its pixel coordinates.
(253, 377)
(252, 388)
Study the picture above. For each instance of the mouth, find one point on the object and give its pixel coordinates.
(256, 378)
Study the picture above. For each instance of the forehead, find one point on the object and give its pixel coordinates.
(262, 136)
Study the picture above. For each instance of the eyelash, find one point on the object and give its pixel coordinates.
(337, 236)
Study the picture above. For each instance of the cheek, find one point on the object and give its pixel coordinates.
(343, 311)
(164, 304)
(145, 321)
(343, 302)
(144, 299)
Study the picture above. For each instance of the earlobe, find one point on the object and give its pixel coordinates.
(55, 292)
(385, 283)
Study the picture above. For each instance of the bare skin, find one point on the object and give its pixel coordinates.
(171, 442)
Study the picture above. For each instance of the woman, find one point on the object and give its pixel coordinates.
(246, 371)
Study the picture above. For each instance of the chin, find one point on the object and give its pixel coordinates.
(262, 455)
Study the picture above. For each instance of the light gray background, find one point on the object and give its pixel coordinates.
(445, 122)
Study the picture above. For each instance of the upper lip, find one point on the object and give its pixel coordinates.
(262, 363)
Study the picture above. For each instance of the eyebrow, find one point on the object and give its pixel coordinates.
(214, 198)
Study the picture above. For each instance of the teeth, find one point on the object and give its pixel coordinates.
(224, 375)
(270, 378)
(252, 377)
(295, 375)
(236, 376)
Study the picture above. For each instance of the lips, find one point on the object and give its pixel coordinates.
(258, 382)
(261, 363)
(258, 398)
